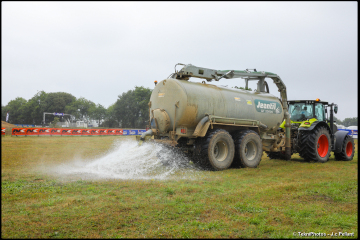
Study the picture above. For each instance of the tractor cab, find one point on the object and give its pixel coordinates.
(301, 110)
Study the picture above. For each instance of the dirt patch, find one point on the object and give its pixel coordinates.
(7, 125)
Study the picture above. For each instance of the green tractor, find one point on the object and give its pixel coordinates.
(313, 135)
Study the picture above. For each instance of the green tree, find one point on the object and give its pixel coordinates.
(16, 111)
(131, 109)
(57, 102)
(337, 121)
(54, 122)
(110, 118)
(350, 122)
(97, 112)
(80, 108)
(34, 108)
(3, 112)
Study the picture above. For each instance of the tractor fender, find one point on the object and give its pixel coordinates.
(339, 139)
(315, 124)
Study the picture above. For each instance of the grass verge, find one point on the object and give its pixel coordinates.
(276, 200)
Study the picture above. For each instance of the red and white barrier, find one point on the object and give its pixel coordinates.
(69, 132)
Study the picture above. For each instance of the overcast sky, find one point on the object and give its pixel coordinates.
(98, 50)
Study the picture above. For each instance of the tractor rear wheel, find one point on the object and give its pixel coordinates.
(216, 150)
(347, 150)
(248, 148)
(315, 145)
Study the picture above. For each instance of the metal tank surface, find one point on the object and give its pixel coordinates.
(219, 127)
(192, 101)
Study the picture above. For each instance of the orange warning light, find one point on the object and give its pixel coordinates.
(155, 82)
(317, 100)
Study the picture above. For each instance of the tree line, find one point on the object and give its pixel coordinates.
(347, 122)
(129, 111)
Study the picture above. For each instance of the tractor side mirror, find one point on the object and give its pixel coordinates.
(325, 110)
(335, 108)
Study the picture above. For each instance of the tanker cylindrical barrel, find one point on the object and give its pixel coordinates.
(190, 102)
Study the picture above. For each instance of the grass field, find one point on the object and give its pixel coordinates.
(276, 200)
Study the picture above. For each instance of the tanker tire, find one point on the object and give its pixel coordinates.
(236, 162)
(248, 149)
(347, 150)
(315, 145)
(216, 150)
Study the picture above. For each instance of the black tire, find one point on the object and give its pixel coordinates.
(248, 148)
(277, 155)
(216, 150)
(236, 162)
(315, 145)
(347, 150)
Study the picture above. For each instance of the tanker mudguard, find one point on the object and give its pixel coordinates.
(339, 136)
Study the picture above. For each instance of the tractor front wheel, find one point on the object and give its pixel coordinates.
(315, 145)
(347, 150)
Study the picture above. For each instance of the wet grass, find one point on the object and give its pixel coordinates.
(272, 201)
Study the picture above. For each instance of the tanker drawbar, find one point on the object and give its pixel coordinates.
(219, 127)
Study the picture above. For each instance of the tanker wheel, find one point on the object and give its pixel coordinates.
(216, 150)
(315, 145)
(347, 150)
(248, 148)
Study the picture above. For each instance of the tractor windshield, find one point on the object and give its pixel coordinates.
(301, 111)
(319, 111)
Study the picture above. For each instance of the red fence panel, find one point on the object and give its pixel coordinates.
(115, 132)
(33, 131)
(44, 131)
(55, 131)
(103, 131)
(66, 132)
(86, 132)
(2, 131)
(76, 132)
(18, 131)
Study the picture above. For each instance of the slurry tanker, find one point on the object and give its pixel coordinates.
(219, 127)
